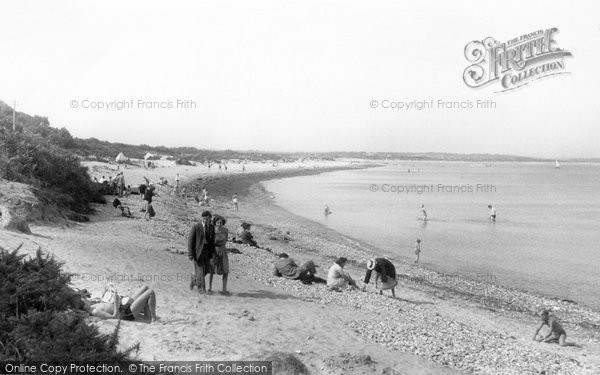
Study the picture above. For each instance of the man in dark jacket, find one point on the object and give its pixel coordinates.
(385, 275)
(201, 249)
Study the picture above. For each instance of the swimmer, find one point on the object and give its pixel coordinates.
(492, 212)
(417, 249)
(423, 213)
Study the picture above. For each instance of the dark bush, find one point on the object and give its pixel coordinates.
(35, 284)
(55, 174)
(39, 320)
(183, 161)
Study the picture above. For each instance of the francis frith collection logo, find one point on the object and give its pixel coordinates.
(515, 63)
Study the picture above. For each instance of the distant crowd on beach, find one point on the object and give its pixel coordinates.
(147, 190)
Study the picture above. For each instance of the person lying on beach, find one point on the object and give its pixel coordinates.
(125, 212)
(337, 278)
(557, 333)
(141, 305)
(384, 271)
(286, 267)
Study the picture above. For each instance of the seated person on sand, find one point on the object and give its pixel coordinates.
(337, 278)
(556, 335)
(124, 209)
(243, 234)
(385, 275)
(286, 267)
(140, 306)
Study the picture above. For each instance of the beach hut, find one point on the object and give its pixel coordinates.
(121, 158)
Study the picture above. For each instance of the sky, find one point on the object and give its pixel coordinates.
(299, 76)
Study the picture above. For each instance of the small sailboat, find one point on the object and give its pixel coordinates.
(557, 165)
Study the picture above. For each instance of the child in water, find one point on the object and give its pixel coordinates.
(417, 249)
(493, 212)
(556, 335)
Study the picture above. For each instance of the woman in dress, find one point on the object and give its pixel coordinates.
(221, 260)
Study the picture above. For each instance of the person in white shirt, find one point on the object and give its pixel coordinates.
(492, 212)
(337, 278)
(235, 201)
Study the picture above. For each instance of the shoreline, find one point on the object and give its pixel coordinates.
(440, 274)
(430, 328)
(425, 275)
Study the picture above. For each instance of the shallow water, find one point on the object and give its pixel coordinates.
(545, 238)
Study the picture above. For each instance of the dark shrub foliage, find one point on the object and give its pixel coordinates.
(35, 284)
(54, 172)
(38, 317)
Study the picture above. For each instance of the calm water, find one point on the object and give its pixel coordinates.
(546, 237)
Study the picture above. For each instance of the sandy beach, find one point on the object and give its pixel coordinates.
(436, 325)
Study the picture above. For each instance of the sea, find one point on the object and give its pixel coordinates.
(545, 239)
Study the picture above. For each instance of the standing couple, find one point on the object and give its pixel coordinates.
(206, 248)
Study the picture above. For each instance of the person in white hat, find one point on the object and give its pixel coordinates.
(385, 275)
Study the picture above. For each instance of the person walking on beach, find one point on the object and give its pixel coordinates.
(493, 212)
(423, 213)
(327, 210)
(201, 249)
(220, 259)
(142, 190)
(384, 271)
(176, 188)
(337, 278)
(557, 333)
(148, 194)
(235, 201)
(120, 184)
(417, 249)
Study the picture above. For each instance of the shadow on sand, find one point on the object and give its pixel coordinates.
(264, 294)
